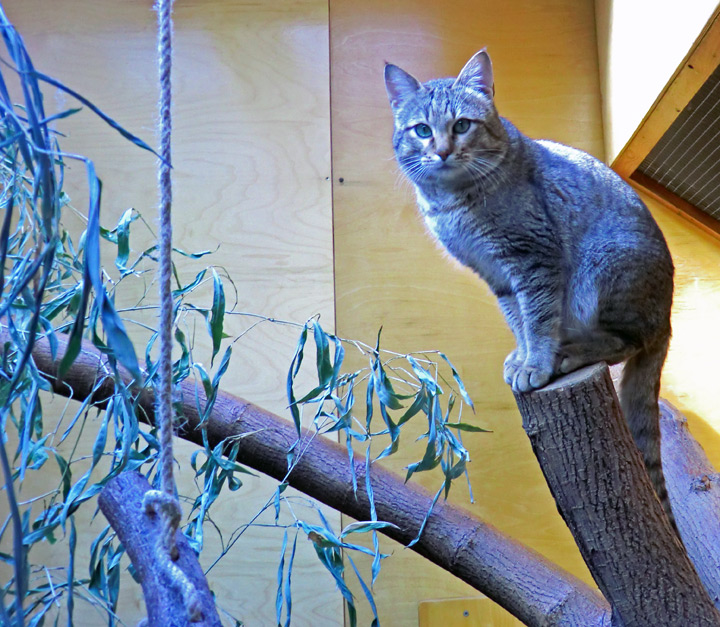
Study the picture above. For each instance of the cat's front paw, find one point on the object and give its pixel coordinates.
(525, 376)
(513, 362)
(529, 378)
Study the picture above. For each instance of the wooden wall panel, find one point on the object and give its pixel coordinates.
(390, 273)
(473, 612)
(251, 155)
(689, 377)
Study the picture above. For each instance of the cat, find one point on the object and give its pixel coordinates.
(581, 271)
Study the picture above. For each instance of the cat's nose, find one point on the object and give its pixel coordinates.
(443, 153)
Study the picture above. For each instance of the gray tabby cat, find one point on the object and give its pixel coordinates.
(581, 270)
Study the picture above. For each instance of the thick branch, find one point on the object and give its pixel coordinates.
(597, 477)
(139, 531)
(526, 584)
(693, 485)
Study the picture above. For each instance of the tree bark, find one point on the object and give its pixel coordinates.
(536, 591)
(694, 488)
(603, 493)
(121, 500)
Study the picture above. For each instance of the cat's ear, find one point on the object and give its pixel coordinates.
(399, 85)
(478, 74)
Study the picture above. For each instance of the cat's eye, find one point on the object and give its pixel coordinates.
(423, 131)
(461, 126)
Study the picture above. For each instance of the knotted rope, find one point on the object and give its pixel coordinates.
(163, 502)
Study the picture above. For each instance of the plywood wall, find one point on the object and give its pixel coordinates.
(689, 380)
(251, 173)
(390, 273)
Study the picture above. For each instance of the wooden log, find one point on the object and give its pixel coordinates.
(694, 488)
(529, 586)
(603, 493)
(121, 500)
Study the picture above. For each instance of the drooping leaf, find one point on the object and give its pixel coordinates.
(458, 381)
(182, 290)
(431, 459)
(384, 388)
(292, 373)
(364, 526)
(322, 348)
(416, 539)
(464, 426)
(424, 376)
(106, 118)
(419, 404)
(122, 233)
(288, 581)
(65, 474)
(280, 579)
(70, 601)
(368, 594)
(217, 315)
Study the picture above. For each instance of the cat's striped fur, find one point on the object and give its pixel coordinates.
(581, 270)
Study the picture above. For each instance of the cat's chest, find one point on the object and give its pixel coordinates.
(473, 242)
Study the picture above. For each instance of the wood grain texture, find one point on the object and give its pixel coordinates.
(467, 612)
(390, 273)
(673, 202)
(251, 150)
(689, 378)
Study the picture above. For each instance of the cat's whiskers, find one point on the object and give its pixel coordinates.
(486, 176)
(408, 162)
(416, 173)
(476, 181)
(415, 169)
(484, 173)
(402, 180)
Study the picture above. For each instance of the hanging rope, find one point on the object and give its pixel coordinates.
(164, 394)
(163, 502)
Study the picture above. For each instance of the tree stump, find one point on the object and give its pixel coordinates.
(603, 493)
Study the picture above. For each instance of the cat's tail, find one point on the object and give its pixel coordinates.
(639, 393)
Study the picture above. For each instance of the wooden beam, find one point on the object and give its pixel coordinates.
(692, 73)
(673, 202)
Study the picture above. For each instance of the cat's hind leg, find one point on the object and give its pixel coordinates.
(592, 347)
